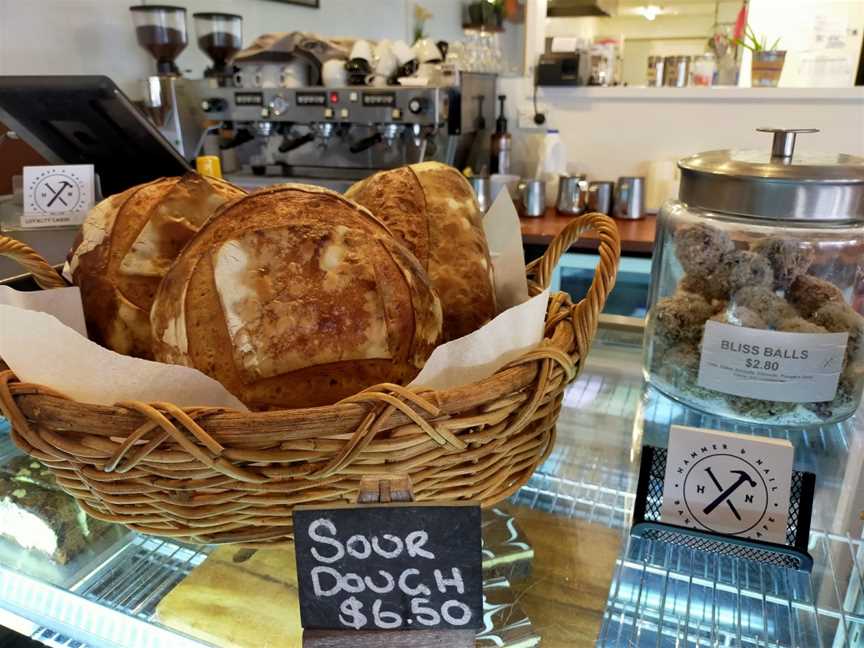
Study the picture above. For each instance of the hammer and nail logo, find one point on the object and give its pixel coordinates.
(57, 192)
(720, 488)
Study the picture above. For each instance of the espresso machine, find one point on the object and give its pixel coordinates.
(335, 136)
(276, 124)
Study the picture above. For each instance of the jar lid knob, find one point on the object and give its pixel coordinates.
(783, 146)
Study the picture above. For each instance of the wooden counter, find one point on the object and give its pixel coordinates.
(637, 236)
(574, 562)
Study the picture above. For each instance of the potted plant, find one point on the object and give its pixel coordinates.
(766, 64)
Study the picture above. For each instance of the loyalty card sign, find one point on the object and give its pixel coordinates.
(389, 567)
(57, 195)
(728, 483)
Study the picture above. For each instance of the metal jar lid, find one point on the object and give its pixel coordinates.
(777, 184)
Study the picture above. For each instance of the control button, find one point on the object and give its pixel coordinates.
(334, 97)
(265, 112)
(353, 97)
(396, 114)
(278, 105)
(215, 104)
(343, 113)
(418, 105)
(328, 113)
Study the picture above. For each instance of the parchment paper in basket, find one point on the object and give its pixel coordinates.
(480, 354)
(504, 237)
(42, 350)
(62, 303)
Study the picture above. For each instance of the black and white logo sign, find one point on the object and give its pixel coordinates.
(56, 195)
(726, 483)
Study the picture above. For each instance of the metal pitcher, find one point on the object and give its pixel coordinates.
(533, 195)
(572, 191)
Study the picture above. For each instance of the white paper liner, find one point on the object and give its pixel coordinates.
(480, 354)
(42, 350)
(504, 237)
(62, 303)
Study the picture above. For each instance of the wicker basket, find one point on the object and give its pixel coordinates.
(212, 475)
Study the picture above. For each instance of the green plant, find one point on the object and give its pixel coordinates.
(753, 43)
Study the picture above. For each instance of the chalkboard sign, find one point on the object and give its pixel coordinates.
(389, 567)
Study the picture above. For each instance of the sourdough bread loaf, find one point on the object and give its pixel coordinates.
(127, 244)
(432, 209)
(295, 296)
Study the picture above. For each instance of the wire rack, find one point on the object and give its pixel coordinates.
(666, 595)
(132, 583)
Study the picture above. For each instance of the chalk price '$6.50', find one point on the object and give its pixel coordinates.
(352, 615)
(766, 365)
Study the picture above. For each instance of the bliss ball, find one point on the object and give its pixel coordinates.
(759, 409)
(741, 316)
(787, 258)
(769, 306)
(740, 269)
(843, 402)
(839, 317)
(697, 285)
(808, 294)
(678, 367)
(854, 372)
(799, 325)
(681, 317)
(699, 248)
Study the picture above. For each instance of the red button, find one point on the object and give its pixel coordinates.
(334, 97)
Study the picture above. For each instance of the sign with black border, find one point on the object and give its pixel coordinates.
(398, 566)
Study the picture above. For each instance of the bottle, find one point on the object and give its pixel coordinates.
(551, 163)
(502, 143)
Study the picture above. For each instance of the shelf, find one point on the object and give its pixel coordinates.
(715, 93)
(482, 28)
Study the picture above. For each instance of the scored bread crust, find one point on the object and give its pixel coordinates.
(432, 209)
(128, 241)
(294, 296)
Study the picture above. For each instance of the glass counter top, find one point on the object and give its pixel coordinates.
(590, 582)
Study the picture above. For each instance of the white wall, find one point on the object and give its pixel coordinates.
(97, 37)
(611, 132)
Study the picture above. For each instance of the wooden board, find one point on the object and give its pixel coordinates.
(238, 598)
(574, 562)
(375, 639)
(637, 236)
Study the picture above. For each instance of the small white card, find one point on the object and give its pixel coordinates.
(57, 195)
(728, 483)
(771, 365)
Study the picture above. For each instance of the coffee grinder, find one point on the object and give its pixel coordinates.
(220, 37)
(169, 101)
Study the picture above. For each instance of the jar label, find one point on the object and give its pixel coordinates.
(771, 365)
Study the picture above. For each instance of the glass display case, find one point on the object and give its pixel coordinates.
(589, 582)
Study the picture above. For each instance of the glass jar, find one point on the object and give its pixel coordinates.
(757, 286)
